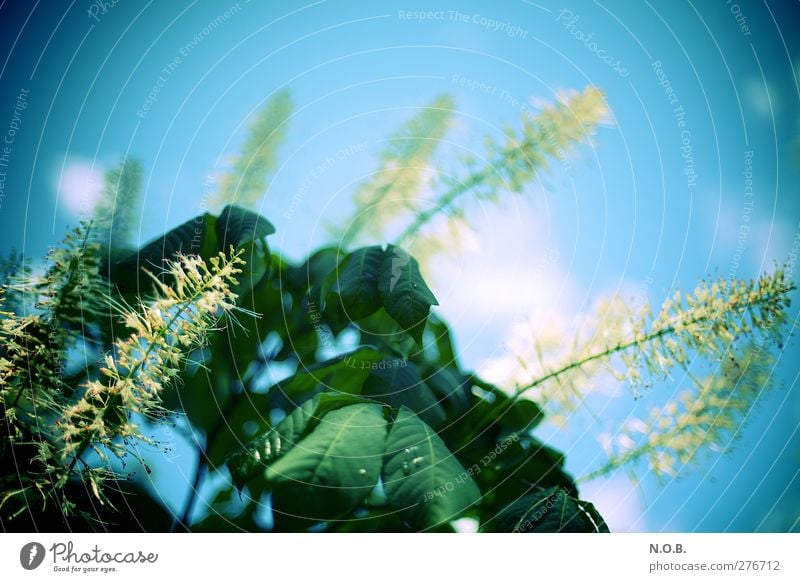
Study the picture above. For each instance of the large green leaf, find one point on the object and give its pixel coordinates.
(357, 282)
(256, 257)
(369, 521)
(345, 373)
(245, 231)
(421, 476)
(496, 411)
(245, 416)
(299, 279)
(405, 295)
(332, 469)
(512, 468)
(219, 522)
(398, 383)
(206, 389)
(195, 236)
(192, 237)
(236, 226)
(451, 388)
(491, 417)
(550, 511)
(205, 236)
(382, 331)
(246, 464)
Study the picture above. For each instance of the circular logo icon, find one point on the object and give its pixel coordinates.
(31, 555)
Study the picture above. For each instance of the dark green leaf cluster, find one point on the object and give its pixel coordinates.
(378, 433)
(377, 429)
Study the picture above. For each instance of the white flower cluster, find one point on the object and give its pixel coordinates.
(163, 331)
(707, 415)
(729, 323)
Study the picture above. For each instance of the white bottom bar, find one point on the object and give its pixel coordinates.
(390, 557)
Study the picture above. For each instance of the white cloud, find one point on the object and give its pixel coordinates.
(514, 271)
(79, 187)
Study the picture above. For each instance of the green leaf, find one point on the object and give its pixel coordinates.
(205, 236)
(369, 521)
(380, 330)
(237, 226)
(256, 268)
(246, 231)
(422, 478)
(357, 282)
(298, 280)
(246, 464)
(497, 408)
(345, 373)
(514, 467)
(406, 297)
(332, 469)
(243, 410)
(195, 236)
(204, 391)
(219, 522)
(398, 383)
(451, 388)
(442, 341)
(522, 416)
(550, 511)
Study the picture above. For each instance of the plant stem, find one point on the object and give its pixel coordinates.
(449, 197)
(77, 456)
(613, 464)
(202, 464)
(442, 204)
(200, 470)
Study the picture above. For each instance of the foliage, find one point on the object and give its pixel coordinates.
(374, 425)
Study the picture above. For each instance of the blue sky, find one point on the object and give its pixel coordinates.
(623, 216)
